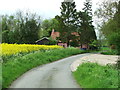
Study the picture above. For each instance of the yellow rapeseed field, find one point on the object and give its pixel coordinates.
(10, 49)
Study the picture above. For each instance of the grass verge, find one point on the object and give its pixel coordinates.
(108, 51)
(92, 75)
(12, 69)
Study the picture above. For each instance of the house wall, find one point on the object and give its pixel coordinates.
(85, 46)
(63, 44)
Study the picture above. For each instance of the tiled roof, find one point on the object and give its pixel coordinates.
(54, 34)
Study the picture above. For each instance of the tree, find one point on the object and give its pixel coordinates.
(117, 15)
(4, 23)
(5, 37)
(48, 25)
(115, 37)
(106, 10)
(30, 32)
(86, 31)
(8, 27)
(105, 14)
(111, 29)
(67, 21)
(20, 28)
(28, 28)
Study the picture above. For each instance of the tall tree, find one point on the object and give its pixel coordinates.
(87, 32)
(111, 28)
(28, 27)
(105, 14)
(106, 10)
(117, 15)
(67, 18)
(114, 38)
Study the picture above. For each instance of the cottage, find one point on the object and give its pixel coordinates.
(43, 41)
(54, 36)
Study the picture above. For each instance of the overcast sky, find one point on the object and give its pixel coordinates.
(45, 8)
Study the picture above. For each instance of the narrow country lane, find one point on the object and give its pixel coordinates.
(54, 75)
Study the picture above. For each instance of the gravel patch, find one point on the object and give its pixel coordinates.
(95, 58)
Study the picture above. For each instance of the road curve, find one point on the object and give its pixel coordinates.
(54, 75)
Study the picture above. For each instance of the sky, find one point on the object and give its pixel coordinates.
(44, 8)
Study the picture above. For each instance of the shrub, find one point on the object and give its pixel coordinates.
(94, 45)
(114, 39)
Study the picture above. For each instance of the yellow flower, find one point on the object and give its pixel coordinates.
(11, 49)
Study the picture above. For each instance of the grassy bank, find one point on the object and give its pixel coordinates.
(108, 51)
(12, 69)
(91, 75)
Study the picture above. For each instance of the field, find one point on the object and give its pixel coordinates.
(12, 49)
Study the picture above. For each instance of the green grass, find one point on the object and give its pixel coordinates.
(108, 51)
(92, 75)
(0, 74)
(12, 69)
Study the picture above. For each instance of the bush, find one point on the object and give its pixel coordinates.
(52, 42)
(108, 51)
(94, 45)
(114, 39)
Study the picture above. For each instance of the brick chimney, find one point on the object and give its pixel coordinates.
(52, 34)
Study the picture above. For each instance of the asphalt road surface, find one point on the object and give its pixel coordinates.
(54, 75)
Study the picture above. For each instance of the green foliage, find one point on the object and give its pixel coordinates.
(94, 45)
(91, 75)
(30, 31)
(48, 25)
(86, 29)
(74, 43)
(5, 36)
(52, 42)
(108, 51)
(114, 39)
(67, 21)
(106, 14)
(109, 27)
(0, 74)
(73, 21)
(14, 67)
(20, 28)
